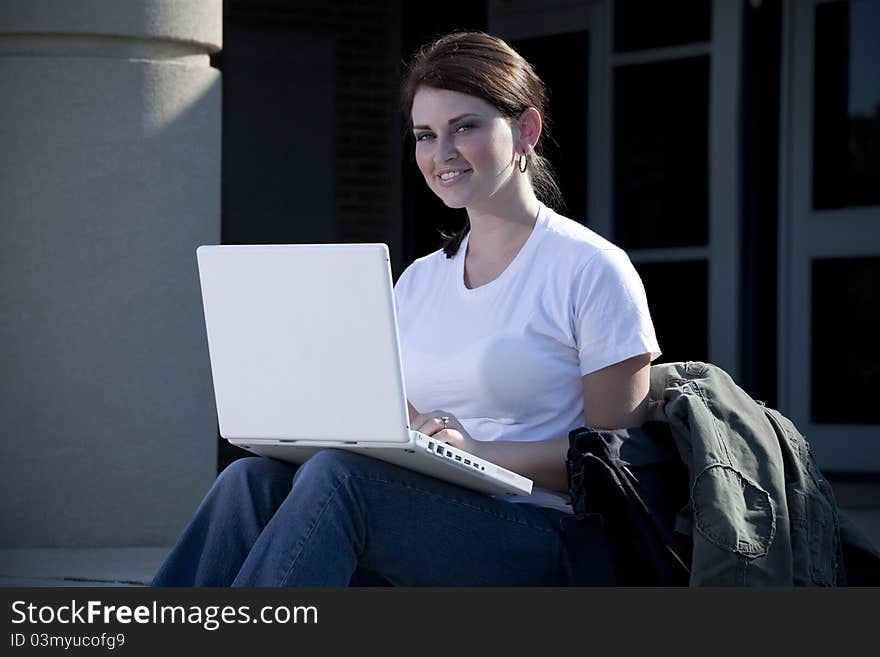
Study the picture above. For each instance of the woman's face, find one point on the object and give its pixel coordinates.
(464, 146)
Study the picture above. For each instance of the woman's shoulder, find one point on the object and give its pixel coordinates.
(575, 241)
(428, 262)
(423, 267)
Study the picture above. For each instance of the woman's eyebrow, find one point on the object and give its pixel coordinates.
(451, 121)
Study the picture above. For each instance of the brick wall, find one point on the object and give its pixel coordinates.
(367, 75)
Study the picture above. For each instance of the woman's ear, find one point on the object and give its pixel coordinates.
(529, 130)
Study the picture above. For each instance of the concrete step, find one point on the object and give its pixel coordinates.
(109, 566)
(135, 566)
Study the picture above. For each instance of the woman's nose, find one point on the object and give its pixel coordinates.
(446, 150)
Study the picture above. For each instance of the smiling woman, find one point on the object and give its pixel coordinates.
(492, 84)
(471, 153)
(525, 326)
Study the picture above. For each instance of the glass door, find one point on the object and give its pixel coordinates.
(829, 260)
(674, 159)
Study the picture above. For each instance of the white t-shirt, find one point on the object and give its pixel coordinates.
(507, 358)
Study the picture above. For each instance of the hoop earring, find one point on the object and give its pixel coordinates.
(523, 163)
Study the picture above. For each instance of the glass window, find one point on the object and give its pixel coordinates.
(661, 153)
(846, 105)
(678, 300)
(845, 358)
(642, 24)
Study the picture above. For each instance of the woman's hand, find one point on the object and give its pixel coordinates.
(542, 461)
(449, 431)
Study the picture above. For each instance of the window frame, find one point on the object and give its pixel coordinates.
(806, 234)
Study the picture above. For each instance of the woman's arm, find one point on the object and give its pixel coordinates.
(542, 461)
(615, 397)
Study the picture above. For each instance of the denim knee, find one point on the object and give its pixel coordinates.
(334, 469)
(338, 463)
(243, 468)
(255, 468)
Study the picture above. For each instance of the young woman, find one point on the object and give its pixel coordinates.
(524, 326)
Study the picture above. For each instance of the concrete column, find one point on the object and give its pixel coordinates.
(109, 180)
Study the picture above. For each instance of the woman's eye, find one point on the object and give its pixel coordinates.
(464, 127)
(423, 137)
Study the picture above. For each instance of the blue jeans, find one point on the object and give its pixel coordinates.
(346, 519)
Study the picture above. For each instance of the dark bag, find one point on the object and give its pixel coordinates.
(644, 552)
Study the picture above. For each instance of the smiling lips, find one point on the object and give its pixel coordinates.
(449, 177)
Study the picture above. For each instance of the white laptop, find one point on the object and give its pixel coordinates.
(305, 356)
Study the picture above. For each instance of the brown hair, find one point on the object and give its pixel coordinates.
(484, 66)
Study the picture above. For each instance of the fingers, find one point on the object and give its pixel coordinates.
(450, 437)
(429, 425)
(433, 422)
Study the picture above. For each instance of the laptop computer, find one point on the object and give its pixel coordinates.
(305, 356)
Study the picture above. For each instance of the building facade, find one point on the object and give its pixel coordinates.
(732, 147)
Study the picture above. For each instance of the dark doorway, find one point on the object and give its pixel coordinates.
(279, 138)
(562, 62)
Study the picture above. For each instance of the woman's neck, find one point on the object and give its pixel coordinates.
(502, 226)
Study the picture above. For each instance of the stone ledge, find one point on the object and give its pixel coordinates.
(188, 22)
(105, 566)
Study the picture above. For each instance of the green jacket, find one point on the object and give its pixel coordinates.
(759, 512)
